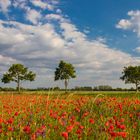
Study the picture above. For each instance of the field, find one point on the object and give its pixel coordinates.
(73, 116)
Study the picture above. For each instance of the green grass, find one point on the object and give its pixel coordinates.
(83, 93)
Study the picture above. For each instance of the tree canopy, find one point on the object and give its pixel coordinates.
(17, 73)
(65, 71)
(131, 74)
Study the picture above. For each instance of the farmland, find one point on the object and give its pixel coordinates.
(70, 116)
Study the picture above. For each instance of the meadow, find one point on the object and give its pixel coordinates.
(72, 116)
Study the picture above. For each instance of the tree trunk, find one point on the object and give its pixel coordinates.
(18, 85)
(66, 85)
(137, 88)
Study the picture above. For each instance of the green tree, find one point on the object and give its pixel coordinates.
(65, 71)
(131, 74)
(18, 73)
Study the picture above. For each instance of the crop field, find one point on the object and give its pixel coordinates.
(69, 117)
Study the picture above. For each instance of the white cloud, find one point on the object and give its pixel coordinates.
(70, 32)
(7, 60)
(137, 49)
(44, 46)
(22, 4)
(43, 5)
(58, 11)
(134, 13)
(4, 5)
(33, 16)
(133, 23)
(55, 17)
(124, 24)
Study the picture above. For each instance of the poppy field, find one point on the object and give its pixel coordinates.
(69, 117)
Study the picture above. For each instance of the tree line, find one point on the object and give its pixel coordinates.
(65, 71)
(76, 88)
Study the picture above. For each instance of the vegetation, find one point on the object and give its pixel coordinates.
(100, 112)
(131, 74)
(18, 73)
(69, 117)
(65, 71)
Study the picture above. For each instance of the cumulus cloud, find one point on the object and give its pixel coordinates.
(137, 49)
(133, 23)
(24, 4)
(44, 4)
(42, 46)
(124, 24)
(21, 4)
(4, 4)
(58, 11)
(33, 16)
(7, 60)
(55, 17)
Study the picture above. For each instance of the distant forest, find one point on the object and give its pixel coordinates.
(77, 88)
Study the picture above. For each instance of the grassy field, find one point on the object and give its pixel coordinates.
(72, 116)
(73, 92)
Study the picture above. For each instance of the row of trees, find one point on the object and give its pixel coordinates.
(18, 73)
(102, 88)
(77, 88)
(65, 71)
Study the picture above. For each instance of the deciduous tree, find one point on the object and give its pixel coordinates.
(18, 73)
(131, 74)
(65, 71)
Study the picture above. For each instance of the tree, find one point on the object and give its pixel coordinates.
(131, 74)
(65, 71)
(18, 73)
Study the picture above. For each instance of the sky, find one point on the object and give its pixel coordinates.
(98, 37)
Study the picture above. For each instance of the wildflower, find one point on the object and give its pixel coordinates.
(120, 107)
(85, 114)
(43, 117)
(1, 120)
(131, 115)
(65, 135)
(113, 134)
(69, 128)
(16, 114)
(79, 131)
(122, 127)
(91, 121)
(27, 129)
(107, 123)
(122, 120)
(111, 127)
(10, 129)
(10, 121)
(33, 137)
(81, 127)
(77, 109)
(123, 134)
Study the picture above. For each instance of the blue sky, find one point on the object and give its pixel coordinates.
(101, 17)
(98, 37)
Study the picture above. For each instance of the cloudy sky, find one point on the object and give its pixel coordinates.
(98, 37)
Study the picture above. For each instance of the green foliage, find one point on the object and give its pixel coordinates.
(86, 88)
(17, 73)
(131, 74)
(65, 71)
